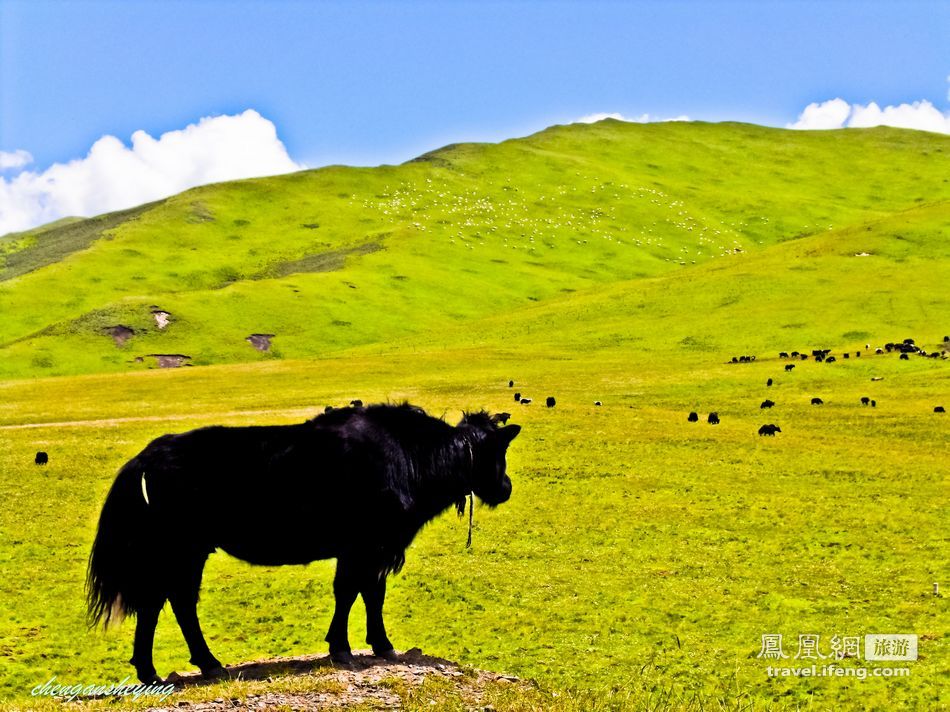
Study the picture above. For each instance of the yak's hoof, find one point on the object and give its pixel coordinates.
(150, 678)
(213, 671)
(342, 657)
(389, 654)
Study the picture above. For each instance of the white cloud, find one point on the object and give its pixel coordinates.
(642, 119)
(837, 114)
(827, 115)
(14, 159)
(114, 176)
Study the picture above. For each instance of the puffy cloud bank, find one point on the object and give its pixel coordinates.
(114, 176)
(838, 114)
(642, 119)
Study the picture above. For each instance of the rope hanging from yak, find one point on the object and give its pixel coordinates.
(471, 514)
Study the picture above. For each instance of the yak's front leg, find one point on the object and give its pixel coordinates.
(346, 586)
(373, 591)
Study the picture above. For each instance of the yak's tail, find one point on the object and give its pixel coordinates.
(114, 583)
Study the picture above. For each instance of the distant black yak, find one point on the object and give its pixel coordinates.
(693, 417)
(525, 401)
(768, 382)
(865, 401)
(357, 403)
(817, 401)
(597, 403)
(41, 458)
(939, 409)
(767, 403)
(517, 397)
(501, 417)
(353, 484)
(550, 402)
(713, 419)
(789, 366)
(769, 429)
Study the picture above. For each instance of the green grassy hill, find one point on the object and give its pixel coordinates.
(642, 557)
(572, 217)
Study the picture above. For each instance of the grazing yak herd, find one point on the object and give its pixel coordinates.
(904, 348)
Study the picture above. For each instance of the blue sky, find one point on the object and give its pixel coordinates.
(372, 82)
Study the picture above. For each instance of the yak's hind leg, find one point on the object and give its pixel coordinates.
(184, 599)
(346, 587)
(373, 591)
(146, 619)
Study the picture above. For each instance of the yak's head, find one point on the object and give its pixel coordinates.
(489, 445)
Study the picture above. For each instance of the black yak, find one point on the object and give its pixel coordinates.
(353, 484)
(550, 402)
(817, 401)
(939, 409)
(693, 417)
(769, 429)
(525, 401)
(713, 419)
(41, 458)
(768, 382)
(789, 366)
(517, 397)
(767, 404)
(865, 401)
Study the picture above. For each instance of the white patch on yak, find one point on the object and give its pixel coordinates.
(144, 489)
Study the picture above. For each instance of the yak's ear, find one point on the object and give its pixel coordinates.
(508, 433)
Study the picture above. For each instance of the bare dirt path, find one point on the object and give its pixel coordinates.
(295, 412)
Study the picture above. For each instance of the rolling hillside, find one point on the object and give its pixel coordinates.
(592, 236)
(642, 557)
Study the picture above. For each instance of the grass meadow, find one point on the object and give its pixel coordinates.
(641, 558)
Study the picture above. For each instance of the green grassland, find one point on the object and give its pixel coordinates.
(641, 557)
(460, 234)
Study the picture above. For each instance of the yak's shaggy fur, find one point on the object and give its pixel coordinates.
(354, 484)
